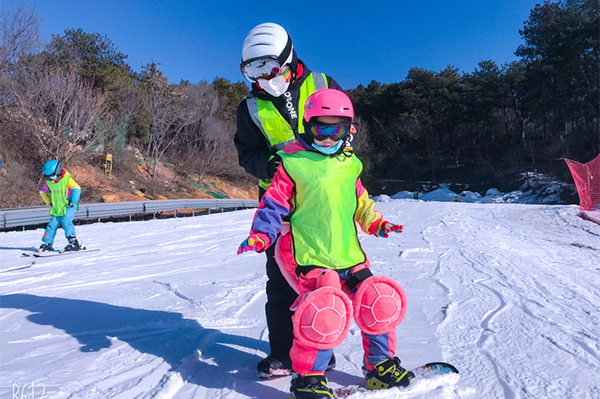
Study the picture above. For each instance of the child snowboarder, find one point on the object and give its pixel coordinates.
(318, 189)
(62, 192)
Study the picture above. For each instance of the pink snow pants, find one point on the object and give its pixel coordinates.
(307, 358)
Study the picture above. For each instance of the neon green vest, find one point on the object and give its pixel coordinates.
(323, 228)
(58, 195)
(274, 127)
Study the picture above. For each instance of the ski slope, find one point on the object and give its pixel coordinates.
(508, 293)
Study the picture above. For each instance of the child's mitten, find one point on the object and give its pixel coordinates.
(386, 227)
(252, 243)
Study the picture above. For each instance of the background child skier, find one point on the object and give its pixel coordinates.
(62, 192)
(317, 184)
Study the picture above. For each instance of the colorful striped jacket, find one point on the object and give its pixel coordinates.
(324, 199)
(60, 192)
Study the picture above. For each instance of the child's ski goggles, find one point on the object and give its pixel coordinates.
(262, 68)
(336, 131)
(52, 177)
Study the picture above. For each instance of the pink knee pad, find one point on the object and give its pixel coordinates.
(323, 318)
(379, 305)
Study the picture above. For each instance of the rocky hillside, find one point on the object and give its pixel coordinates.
(130, 180)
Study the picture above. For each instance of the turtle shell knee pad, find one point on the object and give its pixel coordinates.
(379, 305)
(323, 318)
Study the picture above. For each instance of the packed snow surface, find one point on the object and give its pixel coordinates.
(508, 293)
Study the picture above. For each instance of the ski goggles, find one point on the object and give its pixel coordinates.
(321, 131)
(263, 68)
(52, 177)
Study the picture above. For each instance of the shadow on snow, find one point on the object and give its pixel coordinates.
(217, 364)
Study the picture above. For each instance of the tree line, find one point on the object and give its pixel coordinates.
(77, 98)
(523, 116)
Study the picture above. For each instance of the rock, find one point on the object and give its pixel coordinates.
(111, 198)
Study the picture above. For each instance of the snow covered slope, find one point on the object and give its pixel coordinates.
(508, 293)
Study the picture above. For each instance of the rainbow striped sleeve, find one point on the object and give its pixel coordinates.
(274, 206)
(366, 215)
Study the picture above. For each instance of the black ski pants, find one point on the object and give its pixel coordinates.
(280, 297)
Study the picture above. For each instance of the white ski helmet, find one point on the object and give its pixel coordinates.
(268, 41)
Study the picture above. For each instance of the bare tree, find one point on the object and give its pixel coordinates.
(215, 151)
(207, 144)
(60, 110)
(19, 33)
(169, 117)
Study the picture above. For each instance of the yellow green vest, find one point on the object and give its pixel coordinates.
(58, 195)
(274, 127)
(323, 229)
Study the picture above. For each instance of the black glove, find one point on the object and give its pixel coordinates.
(273, 165)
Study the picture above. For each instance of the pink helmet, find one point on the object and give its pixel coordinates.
(328, 102)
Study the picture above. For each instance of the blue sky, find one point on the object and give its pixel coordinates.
(355, 43)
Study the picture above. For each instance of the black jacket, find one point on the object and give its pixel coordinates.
(252, 146)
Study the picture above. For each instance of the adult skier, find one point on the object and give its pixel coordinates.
(62, 192)
(268, 119)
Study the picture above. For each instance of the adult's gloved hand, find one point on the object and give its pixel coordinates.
(386, 227)
(274, 162)
(252, 243)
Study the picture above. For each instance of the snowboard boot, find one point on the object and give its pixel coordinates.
(73, 245)
(45, 248)
(387, 374)
(270, 368)
(312, 386)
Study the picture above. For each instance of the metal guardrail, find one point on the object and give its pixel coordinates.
(16, 217)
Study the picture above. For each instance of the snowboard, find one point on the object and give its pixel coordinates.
(427, 378)
(48, 254)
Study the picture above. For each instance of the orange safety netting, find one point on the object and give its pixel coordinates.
(587, 181)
